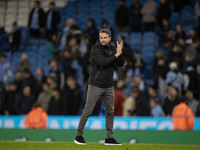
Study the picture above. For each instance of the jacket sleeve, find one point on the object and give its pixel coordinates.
(190, 119)
(97, 57)
(119, 61)
(30, 18)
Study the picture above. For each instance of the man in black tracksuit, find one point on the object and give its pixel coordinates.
(104, 58)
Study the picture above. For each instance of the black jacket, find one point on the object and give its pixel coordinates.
(55, 19)
(103, 65)
(74, 99)
(57, 107)
(41, 17)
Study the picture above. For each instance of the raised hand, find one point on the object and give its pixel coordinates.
(120, 45)
(119, 48)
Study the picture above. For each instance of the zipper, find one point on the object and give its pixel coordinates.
(97, 74)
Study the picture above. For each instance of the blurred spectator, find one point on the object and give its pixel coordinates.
(36, 21)
(118, 102)
(191, 101)
(74, 48)
(128, 57)
(92, 31)
(121, 16)
(135, 16)
(10, 99)
(73, 95)
(129, 103)
(56, 73)
(85, 44)
(139, 82)
(171, 35)
(176, 55)
(52, 82)
(192, 36)
(36, 118)
(172, 99)
(141, 104)
(127, 50)
(52, 20)
(15, 37)
(174, 76)
(24, 64)
(5, 72)
(160, 69)
(44, 97)
(180, 33)
(198, 81)
(166, 47)
(24, 101)
(153, 94)
(57, 104)
(67, 63)
(163, 30)
(138, 63)
(149, 15)
(105, 25)
(178, 5)
(156, 109)
(18, 80)
(51, 47)
(40, 75)
(182, 116)
(66, 32)
(86, 58)
(197, 9)
(198, 111)
(30, 80)
(190, 80)
(163, 12)
(4, 40)
(75, 32)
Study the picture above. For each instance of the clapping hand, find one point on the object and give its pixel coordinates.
(119, 48)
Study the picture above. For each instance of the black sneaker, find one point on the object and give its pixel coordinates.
(111, 141)
(80, 140)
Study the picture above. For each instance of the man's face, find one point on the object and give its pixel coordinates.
(104, 38)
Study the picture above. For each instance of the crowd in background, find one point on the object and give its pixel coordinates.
(176, 65)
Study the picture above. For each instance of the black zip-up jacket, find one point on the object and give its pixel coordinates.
(103, 63)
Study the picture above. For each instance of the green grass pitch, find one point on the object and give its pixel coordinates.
(90, 146)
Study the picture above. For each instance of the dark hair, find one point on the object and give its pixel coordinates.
(155, 100)
(3, 55)
(14, 23)
(36, 104)
(57, 90)
(45, 83)
(38, 2)
(105, 31)
(52, 3)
